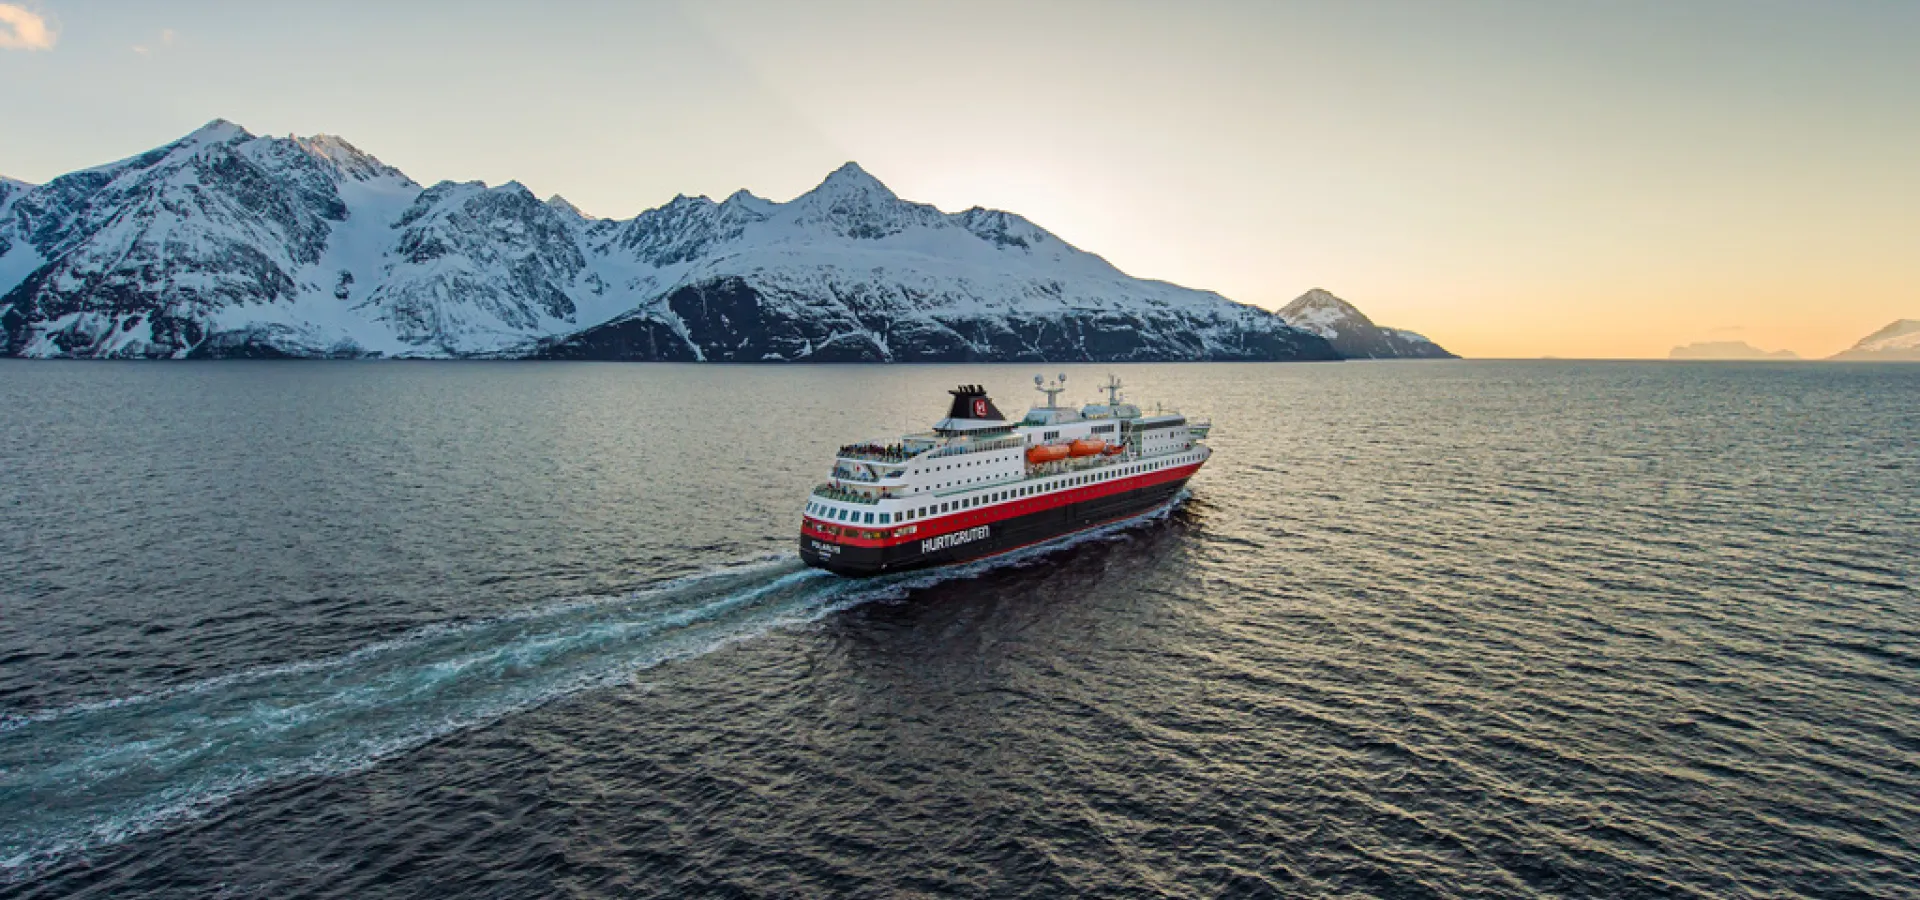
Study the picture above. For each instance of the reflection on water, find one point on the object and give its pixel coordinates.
(1512, 629)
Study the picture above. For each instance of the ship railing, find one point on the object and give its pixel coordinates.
(1079, 464)
(830, 492)
(978, 447)
(863, 454)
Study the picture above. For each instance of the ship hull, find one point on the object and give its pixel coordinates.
(976, 538)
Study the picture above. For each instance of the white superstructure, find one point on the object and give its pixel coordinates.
(975, 458)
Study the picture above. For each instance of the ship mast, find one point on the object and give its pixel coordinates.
(1052, 391)
(1113, 390)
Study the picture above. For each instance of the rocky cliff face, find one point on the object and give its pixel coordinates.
(228, 244)
(1352, 333)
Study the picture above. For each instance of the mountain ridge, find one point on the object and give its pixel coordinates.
(224, 243)
(1352, 333)
(1897, 342)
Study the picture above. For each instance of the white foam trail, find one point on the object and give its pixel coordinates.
(12, 721)
(93, 774)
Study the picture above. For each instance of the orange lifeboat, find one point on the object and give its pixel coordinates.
(1046, 453)
(1088, 447)
(1114, 450)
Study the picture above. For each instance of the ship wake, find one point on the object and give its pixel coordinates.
(95, 774)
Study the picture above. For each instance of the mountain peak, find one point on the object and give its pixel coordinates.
(1320, 306)
(563, 205)
(346, 158)
(851, 179)
(1352, 333)
(215, 132)
(331, 146)
(1898, 341)
(1898, 328)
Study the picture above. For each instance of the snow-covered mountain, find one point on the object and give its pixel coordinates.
(1352, 333)
(1899, 342)
(227, 244)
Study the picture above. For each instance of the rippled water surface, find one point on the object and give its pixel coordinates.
(1423, 629)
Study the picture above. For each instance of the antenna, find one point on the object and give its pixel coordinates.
(1052, 391)
(1113, 390)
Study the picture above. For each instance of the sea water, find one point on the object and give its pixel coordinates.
(503, 629)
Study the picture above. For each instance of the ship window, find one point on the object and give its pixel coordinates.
(869, 519)
(885, 518)
(945, 506)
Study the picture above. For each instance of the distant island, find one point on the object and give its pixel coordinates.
(1728, 350)
(1898, 342)
(225, 244)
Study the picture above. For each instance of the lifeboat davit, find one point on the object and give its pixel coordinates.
(1046, 453)
(1087, 447)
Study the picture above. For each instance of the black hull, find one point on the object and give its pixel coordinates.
(970, 542)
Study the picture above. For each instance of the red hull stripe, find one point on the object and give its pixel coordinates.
(934, 526)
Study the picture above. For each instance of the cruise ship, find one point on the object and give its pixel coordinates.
(978, 484)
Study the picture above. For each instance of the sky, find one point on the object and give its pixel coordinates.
(1512, 179)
